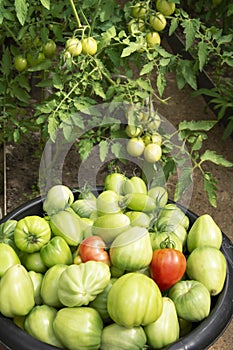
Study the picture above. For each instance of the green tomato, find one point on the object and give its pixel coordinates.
(39, 324)
(66, 223)
(109, 226)
(134, 300)
(20, 63)
(114, 182)
(212, 234)
(33, 261)
(56, 251)
(36, 278)
(7, 232)
(80, 284)
(152, 39)
(167, 8)
(165, 330)
(136, 26)
(84, 207)
(157, 238)
(171, 214)
(35, 59)
(134, 185)
(208, 265)
(100, 302)
(116, 337)
(74, 46)
(89, 46)
(31, 233)
(158, 22)
(140, 202)
(160, 195)
(16, 292)
(49, 48)
(49, 285)
(132, 249)
(78, 328)
(138, 218)
(152, 153)
(59, 197)
(133, 130)
(192, 300)
(139, 10)
(108, 202)
(8, 258)
(135, 147)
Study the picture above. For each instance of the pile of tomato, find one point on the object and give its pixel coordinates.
(119, 270)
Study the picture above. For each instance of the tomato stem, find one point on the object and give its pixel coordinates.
(75, 14)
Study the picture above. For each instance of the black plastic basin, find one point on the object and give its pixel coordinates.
(200, 338)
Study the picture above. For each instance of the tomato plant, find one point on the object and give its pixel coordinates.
(167, 267)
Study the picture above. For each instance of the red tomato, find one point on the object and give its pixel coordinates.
(93, 248)
(167, 267)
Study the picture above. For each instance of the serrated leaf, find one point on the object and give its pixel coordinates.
(192, 125)
(161, 83)
(20, 94)
(202, 54)
(116, 149)
(98, 89)
(184, 182)
(210, 187)
(46, 4)
(190, 31)
(130, 49)
(173, 25)
(103, 146)
(215, 158)
(224, 39)
(188, 72)
(6, 65)
(147, 68)
(21, 8)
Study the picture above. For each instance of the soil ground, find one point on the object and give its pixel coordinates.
(22, 168)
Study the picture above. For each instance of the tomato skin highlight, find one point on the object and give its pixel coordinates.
(167, 267)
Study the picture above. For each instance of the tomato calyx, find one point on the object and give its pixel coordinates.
(168, 243)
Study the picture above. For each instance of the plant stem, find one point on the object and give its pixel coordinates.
(75, 14)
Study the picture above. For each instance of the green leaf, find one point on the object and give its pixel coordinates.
(202, 54)
(173, 25)
(215, 158)
(188, 72)
(103, 146)
(116, 149)
(21, 8)
(210, 187)
(46, 4)
(161, 83)
(98, 89)
(224, 39)
(192, 125)
(20, 94)
(184, 182)
(190, 32)
(6, 65)
(85, 147)
(147, 68)
(130, 49)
